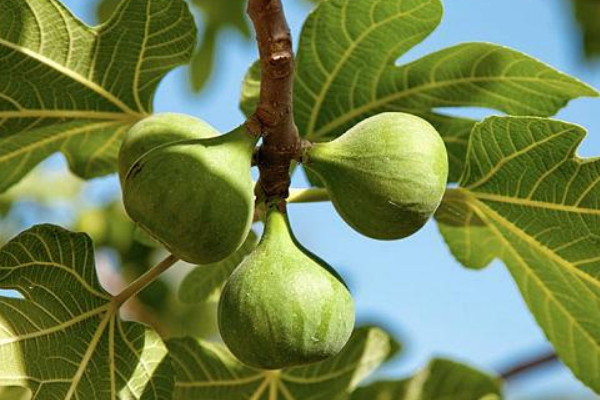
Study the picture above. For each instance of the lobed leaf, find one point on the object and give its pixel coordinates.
(440, 380)
(346, 72)
(208, 371)
(63, 339)
(526, 198)
(67, 87)
(587, 13)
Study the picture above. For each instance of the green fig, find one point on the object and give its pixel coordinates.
(283, 306)
(194, 196)
(386, 176)
(157, 130)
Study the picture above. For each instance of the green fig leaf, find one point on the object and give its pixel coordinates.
(61, 89)
(217, 16)
(441, 380)
(527, 199)
(14, 393)
(105, 9)
(251, 90)
(587, 13)
(206, 281)
(64, 338)
(207, 371)
(343, 78)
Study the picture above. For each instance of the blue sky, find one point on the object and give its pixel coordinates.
(414, 286)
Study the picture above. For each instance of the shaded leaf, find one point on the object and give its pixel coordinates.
(106, 8)
(64, 339)
(208, 371)
(205, 281)
(71, 88)
(251, 90)
(440, 380)
(526, 198)
(203, 60)
(218, 16)
(14, 393)
(587, 13)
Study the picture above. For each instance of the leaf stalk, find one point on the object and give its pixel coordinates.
(146, 279)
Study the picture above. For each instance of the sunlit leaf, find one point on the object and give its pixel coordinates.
(14, 393)
(208, 371)
(71, 88)
(346, 72)
(526, 198)
(64, 338)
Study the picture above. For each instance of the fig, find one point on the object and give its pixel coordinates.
(195, 196)
(385, 176)
(283, 306)
(158, 130)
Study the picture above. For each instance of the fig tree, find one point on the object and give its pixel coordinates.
(195, 196)
(385, 176)
(283, 306)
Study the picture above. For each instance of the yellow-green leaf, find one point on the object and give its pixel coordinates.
(346, 72)
(208, 371)
(64, 339)
(68, 87)
(526, 198)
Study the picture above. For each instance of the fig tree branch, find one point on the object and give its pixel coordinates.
(274, 116)
(528, 365)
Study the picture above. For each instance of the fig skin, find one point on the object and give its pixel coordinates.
(194, 196)
(385, 176)
(283, 306)
(158, 130)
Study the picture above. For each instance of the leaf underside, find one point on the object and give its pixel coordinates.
(527, 199)
(67, 87)
(207, 371)
(63, 339)
(346, 72)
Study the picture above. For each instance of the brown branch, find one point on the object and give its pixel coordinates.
(528, 365)
(274, 116)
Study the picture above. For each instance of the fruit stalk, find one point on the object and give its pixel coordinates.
(274, 117)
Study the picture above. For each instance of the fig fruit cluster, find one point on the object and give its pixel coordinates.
(191, 189)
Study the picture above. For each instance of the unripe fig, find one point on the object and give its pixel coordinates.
(283, 306)
(157, 130)
(386, 176)
(194, 196)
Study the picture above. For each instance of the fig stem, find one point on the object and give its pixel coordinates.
(273, 119)
(146, 279)
(309, 195)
